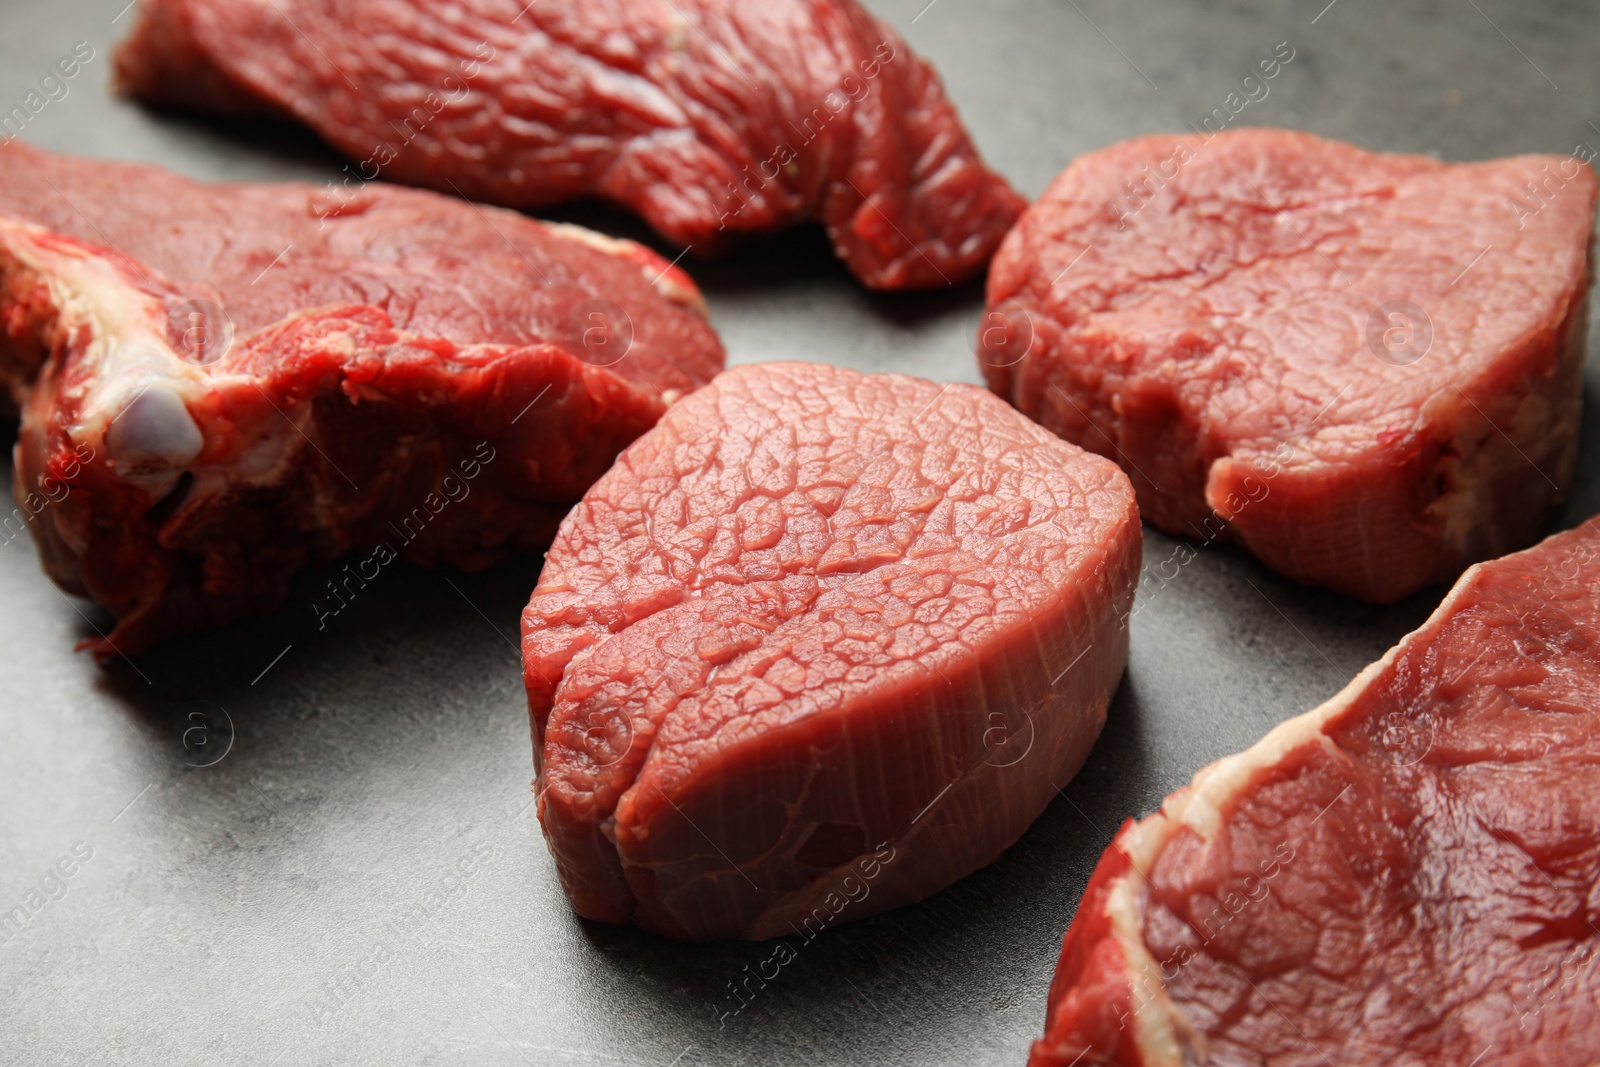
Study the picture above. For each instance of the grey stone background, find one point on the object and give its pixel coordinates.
(359, 878)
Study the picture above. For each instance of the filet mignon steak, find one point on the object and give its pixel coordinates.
(820, 644)
(709, 118)
(1409, 874)
(219, 387)
(1362, 367)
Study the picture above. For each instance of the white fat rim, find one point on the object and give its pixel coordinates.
(663, 280)
(127, 355)
(1161, 1030)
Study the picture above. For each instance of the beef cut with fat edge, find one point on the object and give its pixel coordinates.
(820, 644)
(1362, 367)
(1408, 874)
(710, 118)
(220, 386)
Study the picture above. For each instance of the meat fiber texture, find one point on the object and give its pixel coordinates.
(1406, 875)
(819, 645)
(711, 119)
(1364, 368)
(219, 386)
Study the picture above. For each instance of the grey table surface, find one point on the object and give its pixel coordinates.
(316, 847)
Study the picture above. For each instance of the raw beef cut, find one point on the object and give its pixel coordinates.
(820, 644)
(709, 118)
(1362, 367)
(1409, 874)
(219, 387)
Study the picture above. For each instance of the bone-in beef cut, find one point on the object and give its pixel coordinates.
(820, 644)
(1409, 874)
(709, 118)
(218, 387)
(1364, 368)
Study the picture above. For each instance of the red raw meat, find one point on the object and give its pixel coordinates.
(1362, 367)
(376, 358)
(1409, 874)
(710, 118)
(820, 644)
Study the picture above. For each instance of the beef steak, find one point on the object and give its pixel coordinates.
(1408, 874)
(1362, 367)
(820, 644)
(709, 118)
(220, 387)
